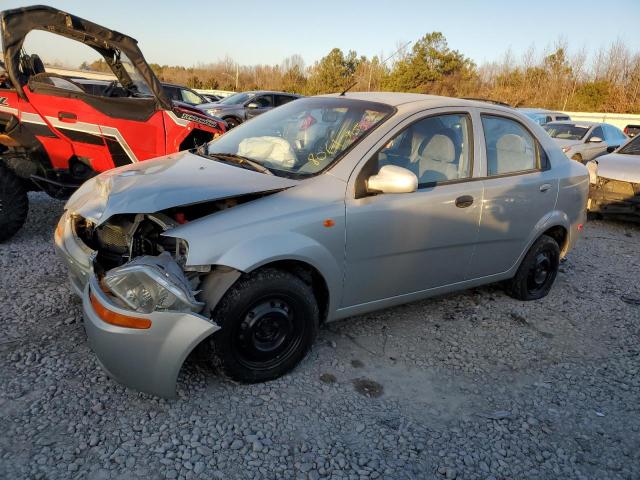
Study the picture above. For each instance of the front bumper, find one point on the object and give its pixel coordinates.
(148, 360)
(614, 197)
(74, 253)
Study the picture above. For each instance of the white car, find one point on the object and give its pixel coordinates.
(584, 141)
(615, 182)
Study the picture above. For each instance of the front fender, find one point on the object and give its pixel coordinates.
(259, 251)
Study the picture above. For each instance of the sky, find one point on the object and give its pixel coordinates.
(191, 32)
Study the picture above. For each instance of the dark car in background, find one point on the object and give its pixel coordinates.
(632, 130)
(179, 93)
(237, 108)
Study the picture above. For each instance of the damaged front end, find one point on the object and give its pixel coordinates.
(613, 197)
(140, 299)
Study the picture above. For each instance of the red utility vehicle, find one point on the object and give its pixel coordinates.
(54, 134)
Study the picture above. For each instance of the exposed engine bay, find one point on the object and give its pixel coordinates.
(145, 270)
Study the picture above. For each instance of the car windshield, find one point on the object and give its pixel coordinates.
(566, 131)
(303, 137)
(631, 148)
(237, 99)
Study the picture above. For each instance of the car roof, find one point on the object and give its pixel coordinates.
(165, 84)
(262, 92)
(540, 110)
(577, 123)
(396, 99)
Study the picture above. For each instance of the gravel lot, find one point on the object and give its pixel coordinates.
(473, 385)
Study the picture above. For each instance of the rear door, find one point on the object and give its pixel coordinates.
(519, 190)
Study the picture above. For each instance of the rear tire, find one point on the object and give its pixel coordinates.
(537, 272)
(14, 204)
(269, 321)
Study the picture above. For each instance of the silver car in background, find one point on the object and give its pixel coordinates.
(584, 141)
(322, 209)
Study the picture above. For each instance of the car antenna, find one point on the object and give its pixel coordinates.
(348, 88)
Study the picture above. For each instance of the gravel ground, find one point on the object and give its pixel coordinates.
(473, 385)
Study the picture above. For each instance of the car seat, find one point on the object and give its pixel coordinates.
(438, 157)
(512, 155)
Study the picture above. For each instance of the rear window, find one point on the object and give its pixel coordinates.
(566, 131)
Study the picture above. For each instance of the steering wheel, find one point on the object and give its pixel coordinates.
(109, 89)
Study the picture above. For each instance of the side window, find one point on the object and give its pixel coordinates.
(510, 147)
(264, 101)
(282, 99)
(190, 97)
(437, 149)
(597, 132)
(173, 93)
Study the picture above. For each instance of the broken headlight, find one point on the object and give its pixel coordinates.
(151, 283)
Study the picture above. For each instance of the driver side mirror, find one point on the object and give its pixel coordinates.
(252, 105)
(392, 179)
(595, 140)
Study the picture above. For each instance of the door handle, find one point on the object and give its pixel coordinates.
(67, 117)
(464, 201)
(545, 186)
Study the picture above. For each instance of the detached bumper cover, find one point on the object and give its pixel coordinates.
(614, 197)
(148, 360)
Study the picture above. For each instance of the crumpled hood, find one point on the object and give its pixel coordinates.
(619, 166)
(179, 179)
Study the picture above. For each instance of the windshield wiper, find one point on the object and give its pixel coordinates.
(240, 160)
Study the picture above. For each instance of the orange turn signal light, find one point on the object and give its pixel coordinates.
(328, 223)
(117, 319)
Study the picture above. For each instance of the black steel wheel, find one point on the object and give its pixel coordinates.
(14, 204)
(537, 272)
(269, 320)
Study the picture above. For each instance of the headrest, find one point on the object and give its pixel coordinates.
(440, 148)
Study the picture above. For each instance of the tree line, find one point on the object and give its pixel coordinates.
(606, 80)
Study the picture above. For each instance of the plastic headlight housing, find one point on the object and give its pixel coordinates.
(146, 288)
(566, 149)
(213, 111)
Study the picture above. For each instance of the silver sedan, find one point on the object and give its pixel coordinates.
(321, 209)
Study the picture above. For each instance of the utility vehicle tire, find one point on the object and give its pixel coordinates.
(269, 321)
(14, 204)
(537, 272)
(232, 122)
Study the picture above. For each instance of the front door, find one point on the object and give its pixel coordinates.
(404, 243)
(259, 104)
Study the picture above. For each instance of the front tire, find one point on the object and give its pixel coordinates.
(14, 204)
(232, 122)
(537, 272)
(269, 320)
